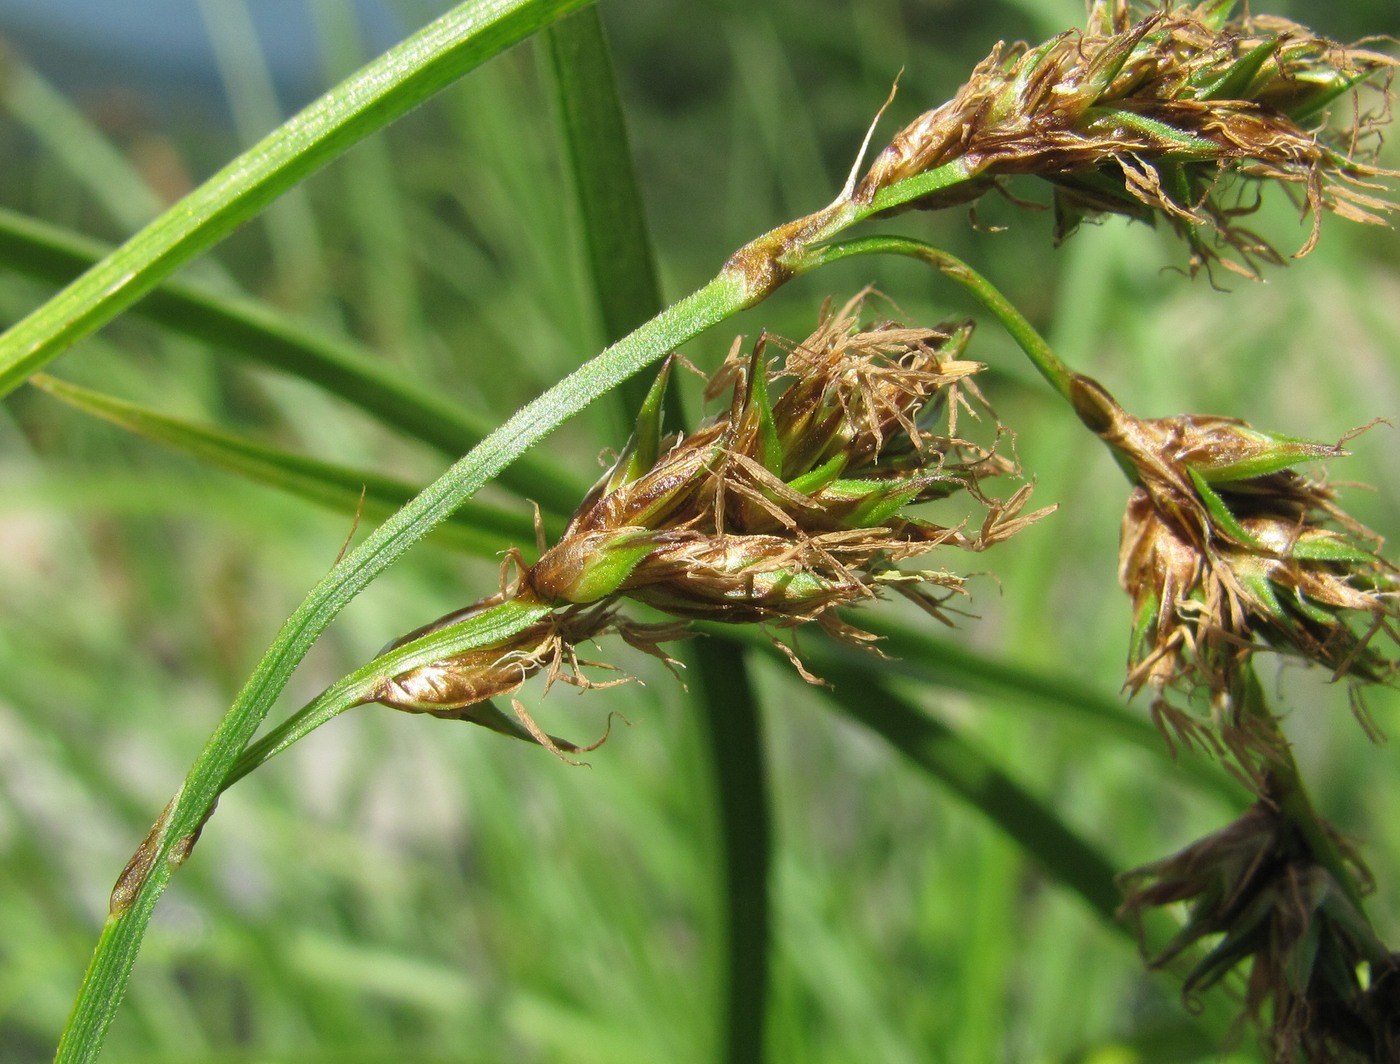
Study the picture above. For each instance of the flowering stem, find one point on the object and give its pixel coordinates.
(1030, 341)
(163, 851)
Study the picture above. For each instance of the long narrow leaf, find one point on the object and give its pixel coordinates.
(257, 332)
(400, 79)
(474, 529)
(594, 135)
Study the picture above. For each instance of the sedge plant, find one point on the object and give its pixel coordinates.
(860, 463)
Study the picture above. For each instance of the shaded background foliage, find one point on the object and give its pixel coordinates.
(408, 889)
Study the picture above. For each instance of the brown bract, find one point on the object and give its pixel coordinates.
(460, 686)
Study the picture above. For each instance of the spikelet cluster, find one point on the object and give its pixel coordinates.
(789, 506)
(1317, 980)
(782, 510)
(1180, 115)
(1227, 549)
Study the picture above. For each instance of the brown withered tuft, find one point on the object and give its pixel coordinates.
(1226, 550)
(1181, 114)
(1317, 980)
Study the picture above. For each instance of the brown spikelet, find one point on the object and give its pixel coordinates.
(1227, 550)
(782, 510)
(1178, 116)
(1318, 982)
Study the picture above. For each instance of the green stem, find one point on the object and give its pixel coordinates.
(1284, 787)
(1022, 331)
(1067, 383)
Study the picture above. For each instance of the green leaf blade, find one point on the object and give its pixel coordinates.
(474, 529)
(263, 336)
(385, 89)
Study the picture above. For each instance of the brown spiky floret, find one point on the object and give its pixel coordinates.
(1180, 114)
(1320, 984)
(779, 511)
(1225, 550)
(783, 511)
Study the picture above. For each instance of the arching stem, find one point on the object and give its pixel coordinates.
(1022, 331)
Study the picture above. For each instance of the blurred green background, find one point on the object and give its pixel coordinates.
(405, 889)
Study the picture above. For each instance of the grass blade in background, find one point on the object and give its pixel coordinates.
(257, 332)
(390, 291)
(474, 528)
(627, 292)
(298, 254)
(68, 136)
(618, 248)
(723, 693)
(400, 79)
(1068, 859)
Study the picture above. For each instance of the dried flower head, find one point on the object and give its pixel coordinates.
(1180, 115)
(1226, 548)
(779, 511)
(1318, 980)
(782, 510)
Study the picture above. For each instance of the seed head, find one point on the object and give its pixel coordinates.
(1259, 894)
(1226, 548)
(1179, 115)
(783, 509)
